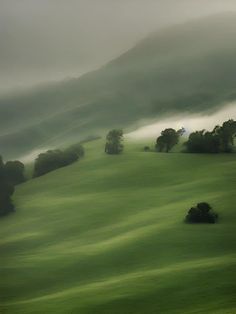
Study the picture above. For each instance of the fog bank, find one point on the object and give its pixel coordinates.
(47, 40)
(189, 122)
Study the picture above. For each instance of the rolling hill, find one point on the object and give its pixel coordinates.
(185, 68)
(106, 236)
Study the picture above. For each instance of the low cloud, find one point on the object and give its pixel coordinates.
(189, 122)
(51, 40)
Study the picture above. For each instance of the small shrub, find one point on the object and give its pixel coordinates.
(146, 149)
(202, 213)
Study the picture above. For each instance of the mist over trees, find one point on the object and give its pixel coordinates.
(219, 140)
(114, 140)
(168, 139)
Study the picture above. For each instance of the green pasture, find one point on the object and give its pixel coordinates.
(106, 236)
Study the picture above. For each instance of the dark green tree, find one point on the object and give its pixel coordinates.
(168, 139)
(14, 171)
(6, 191)
(77, 149)
(202, 213)
(227, 133)
(54, 159)
(203, 142)
(220, 140)
(114, 140)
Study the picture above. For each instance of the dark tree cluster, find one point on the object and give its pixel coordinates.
(168, 139)
(202, 213)
(11, 174)
(76, 149)
(55, 159)
(14, 171)
(219, 140)
(114, 144)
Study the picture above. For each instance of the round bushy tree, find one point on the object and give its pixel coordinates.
(202, 213)
(14, 172)
(168, 139)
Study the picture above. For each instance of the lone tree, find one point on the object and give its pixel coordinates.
(168, 139)
(114, 142)
(202, 213)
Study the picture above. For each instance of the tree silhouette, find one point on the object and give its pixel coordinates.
(220, 140)
(114, 140)
(54, 159)
(6, 191)
(227, 133)
(202, 213)
(168, 139)
(14, 171)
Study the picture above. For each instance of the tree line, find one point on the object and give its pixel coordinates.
(12, 172)
(55, 159)
(219, 140)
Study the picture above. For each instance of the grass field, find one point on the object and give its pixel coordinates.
(106, 236)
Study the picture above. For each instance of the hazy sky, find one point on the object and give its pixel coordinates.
(44, 40)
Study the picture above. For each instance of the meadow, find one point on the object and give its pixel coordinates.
(106, 235)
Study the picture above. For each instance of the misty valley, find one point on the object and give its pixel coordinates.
(117, 186)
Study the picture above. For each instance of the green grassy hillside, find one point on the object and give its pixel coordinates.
(106, 236)
(185, 68)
